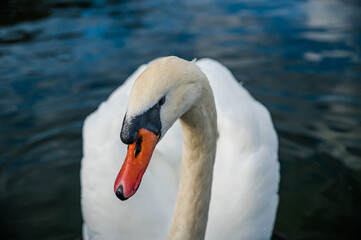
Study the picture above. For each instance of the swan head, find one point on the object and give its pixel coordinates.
(160, 95)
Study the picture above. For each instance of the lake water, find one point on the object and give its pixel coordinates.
(60, 59)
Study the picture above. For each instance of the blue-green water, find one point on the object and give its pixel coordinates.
(60, 58)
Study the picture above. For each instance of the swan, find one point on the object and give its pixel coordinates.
(219, 182)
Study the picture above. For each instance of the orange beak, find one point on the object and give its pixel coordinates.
(135, 164)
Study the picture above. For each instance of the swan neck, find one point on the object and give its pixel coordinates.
(199, 131)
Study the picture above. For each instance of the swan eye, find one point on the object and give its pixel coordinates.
(161, 101)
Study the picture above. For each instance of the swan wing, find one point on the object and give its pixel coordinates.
(246, 172)
(147, 215)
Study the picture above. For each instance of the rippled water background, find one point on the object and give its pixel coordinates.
(60, 58)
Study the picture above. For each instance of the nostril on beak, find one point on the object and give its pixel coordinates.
(138, 146)
(120, 193)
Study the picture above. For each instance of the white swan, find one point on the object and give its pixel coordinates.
(244, 194)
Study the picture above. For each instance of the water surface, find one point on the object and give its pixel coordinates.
(60, 59)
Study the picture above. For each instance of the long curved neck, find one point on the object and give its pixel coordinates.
(199, 130)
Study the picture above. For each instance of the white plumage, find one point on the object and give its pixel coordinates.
(246, 172)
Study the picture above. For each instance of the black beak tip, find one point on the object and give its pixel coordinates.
(120, 194)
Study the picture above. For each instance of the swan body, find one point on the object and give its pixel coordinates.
(244, 194)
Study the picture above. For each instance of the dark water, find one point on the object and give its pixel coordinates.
(59, 59)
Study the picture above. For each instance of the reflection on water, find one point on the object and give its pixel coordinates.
(59, 59)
